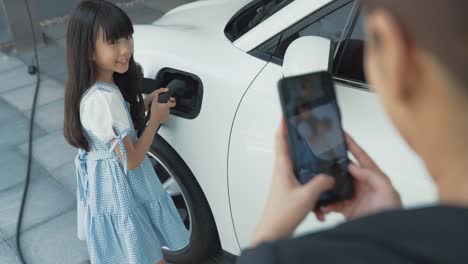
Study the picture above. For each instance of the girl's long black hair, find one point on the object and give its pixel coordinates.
(83, 27)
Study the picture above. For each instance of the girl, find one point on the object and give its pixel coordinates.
(124, 213)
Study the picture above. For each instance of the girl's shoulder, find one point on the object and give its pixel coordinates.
(102, 94)
(102, 108)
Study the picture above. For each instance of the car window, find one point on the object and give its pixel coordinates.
(349, 64)
(330, 26)
(252, 15)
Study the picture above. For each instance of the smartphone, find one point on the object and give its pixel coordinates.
(315, 134)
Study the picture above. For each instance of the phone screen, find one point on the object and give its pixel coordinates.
(315, 134)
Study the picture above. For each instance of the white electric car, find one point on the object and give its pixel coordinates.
(215, 154)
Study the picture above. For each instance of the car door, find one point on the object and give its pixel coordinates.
(251, 149)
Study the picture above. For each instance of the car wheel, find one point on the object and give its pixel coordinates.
(188, 197)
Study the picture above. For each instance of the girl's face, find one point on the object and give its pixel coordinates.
(112, 56)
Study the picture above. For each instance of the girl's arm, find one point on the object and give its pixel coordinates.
(159, 115)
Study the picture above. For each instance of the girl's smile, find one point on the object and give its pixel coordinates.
(123, 63)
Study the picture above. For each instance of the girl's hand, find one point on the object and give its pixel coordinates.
(373, 190)
(148, 98)
(160, 111)
(289, 201)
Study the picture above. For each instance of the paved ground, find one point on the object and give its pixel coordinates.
(49, 227)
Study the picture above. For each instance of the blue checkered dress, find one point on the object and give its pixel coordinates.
(125, 216)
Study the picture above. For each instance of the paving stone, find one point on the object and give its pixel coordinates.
(7, 255)
(7, 111)
(14, 168)
(60, 77)
(49, 52)
(16, 78)
(9, 62)
(52, 59)
(66, 176)
(52, 151)
(15, 127)
(46, 199)
(22, 98)
(50, 116)
(54, 242)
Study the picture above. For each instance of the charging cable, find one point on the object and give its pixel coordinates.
(32, 69)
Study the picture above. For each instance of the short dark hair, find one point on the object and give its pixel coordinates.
(439, 26)
(83, 27)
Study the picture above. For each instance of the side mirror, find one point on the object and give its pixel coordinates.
(306, 55)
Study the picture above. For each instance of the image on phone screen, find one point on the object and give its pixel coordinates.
(315, 134)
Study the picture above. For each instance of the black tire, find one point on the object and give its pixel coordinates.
(204, 238)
